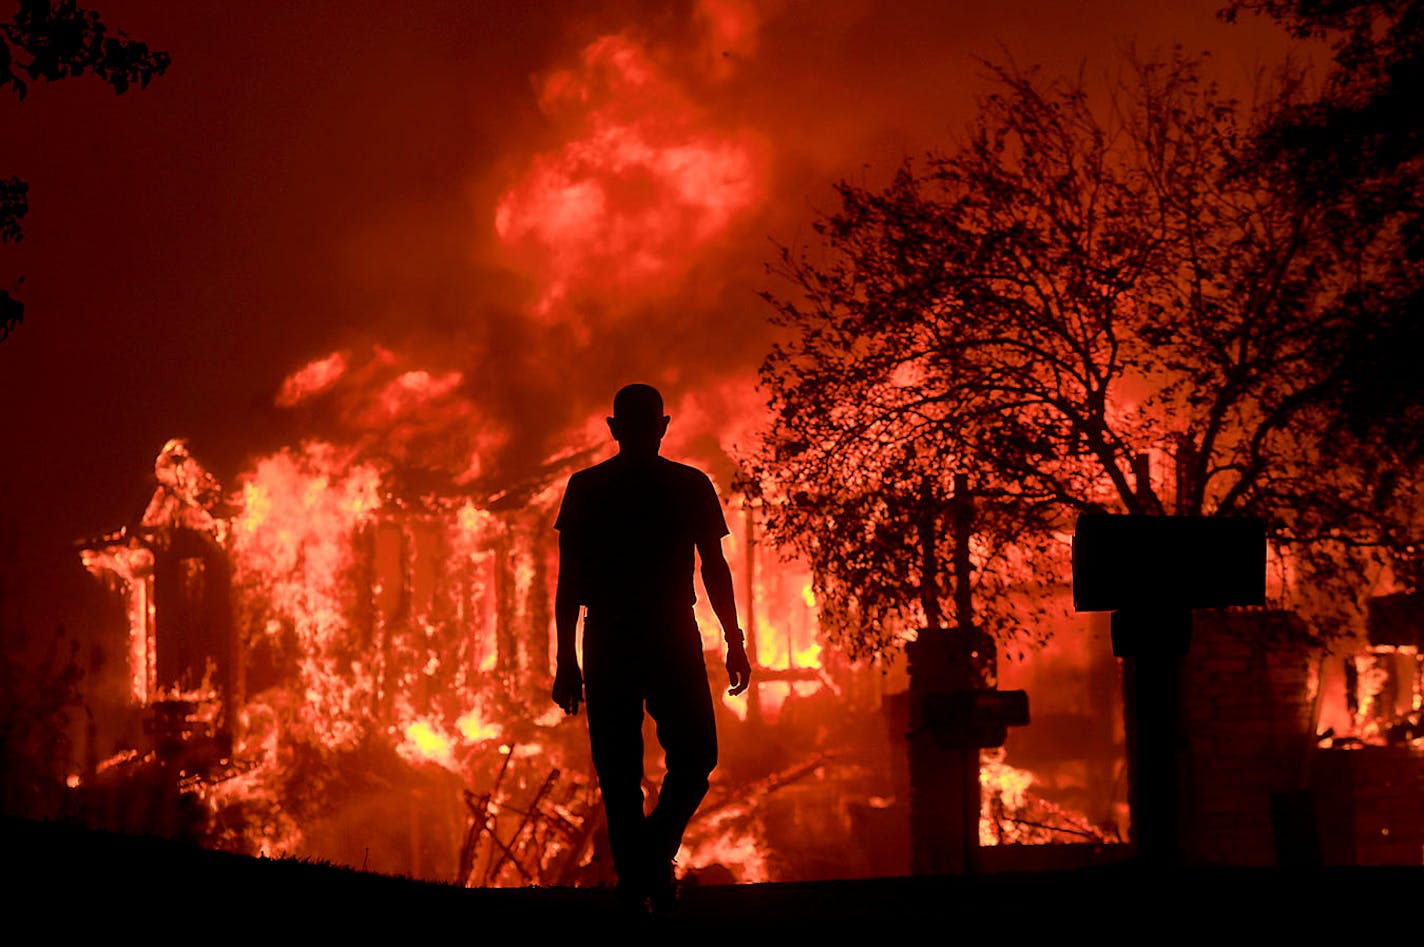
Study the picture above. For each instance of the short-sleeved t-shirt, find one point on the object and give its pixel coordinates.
(632, 526)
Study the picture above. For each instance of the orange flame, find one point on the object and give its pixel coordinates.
(1002, 783)
(311, 379)
(731, 848)
(476, 729)
(424, 741)
(642, 181)
(293, 541)
(414, 390)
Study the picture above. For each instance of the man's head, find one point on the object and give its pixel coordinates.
(638, 423)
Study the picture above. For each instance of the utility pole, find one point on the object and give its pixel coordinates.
(749, 531)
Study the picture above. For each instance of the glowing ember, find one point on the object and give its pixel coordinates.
(737, 705)
(1003, 788)
(476, 729)
(474, 523)
(423, 741)
(1002, 783)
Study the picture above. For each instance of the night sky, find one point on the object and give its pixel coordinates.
(318, 177)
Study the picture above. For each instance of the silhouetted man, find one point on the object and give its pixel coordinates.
(627, 531)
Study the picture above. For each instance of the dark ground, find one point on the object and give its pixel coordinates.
(74, 881)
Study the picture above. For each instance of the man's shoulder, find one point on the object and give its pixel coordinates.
(581, 495)
(610, 473)
(593, 473)
(680, 469)
(684, 473)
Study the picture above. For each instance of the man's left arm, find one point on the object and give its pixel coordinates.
(717, 577)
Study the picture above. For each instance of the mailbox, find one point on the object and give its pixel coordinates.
(974, 718)
(1129, 562)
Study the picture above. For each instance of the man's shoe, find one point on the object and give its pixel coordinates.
(662, 887)
(632, 899)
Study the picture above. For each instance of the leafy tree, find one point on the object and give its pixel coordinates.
(49, 40)
(1066, 291)
(1365, 124)
(1356, 148)
(39, 699)
(39, 696)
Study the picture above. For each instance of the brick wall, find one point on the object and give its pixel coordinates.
(1369, 804)
(1248, 719)
(1248, 739)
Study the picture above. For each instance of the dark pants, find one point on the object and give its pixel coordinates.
(630, 667)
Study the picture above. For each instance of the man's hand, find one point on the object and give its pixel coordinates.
(568, 687)
(739, 668)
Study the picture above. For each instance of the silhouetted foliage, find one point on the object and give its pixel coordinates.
(49, 40)
(1357, 150)
(14, 204)
(1365, 123)
(39, 692)
(1066, 290)
(12, 313)
(38, 696)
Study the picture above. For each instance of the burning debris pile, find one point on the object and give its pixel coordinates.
(1011, 815)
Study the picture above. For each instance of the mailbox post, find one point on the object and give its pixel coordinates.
(1150, 572)
(955, 708)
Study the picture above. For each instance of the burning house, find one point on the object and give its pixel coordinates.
(310, 626)
(317, 665)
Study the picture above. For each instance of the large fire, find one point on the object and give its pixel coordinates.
(410, 637)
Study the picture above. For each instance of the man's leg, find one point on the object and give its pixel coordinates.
(615, 733)
(680, 702)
